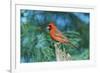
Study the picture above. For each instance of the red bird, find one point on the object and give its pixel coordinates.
(56, 35)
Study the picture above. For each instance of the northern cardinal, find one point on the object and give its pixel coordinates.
(56, 35)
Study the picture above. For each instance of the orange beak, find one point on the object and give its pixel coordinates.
(48, 28)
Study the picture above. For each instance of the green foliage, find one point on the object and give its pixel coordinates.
(83, 56)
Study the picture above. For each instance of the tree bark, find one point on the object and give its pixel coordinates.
(61, 55)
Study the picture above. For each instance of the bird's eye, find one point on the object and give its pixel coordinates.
(50, 26)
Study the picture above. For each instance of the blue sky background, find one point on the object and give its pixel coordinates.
(58, 17)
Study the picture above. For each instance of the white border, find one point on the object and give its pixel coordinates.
(16, 66)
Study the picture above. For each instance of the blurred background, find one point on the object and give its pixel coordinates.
(36, 44)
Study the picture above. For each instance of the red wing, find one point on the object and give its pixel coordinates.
(60, 35)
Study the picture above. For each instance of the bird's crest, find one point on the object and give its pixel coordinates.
(52, 25)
